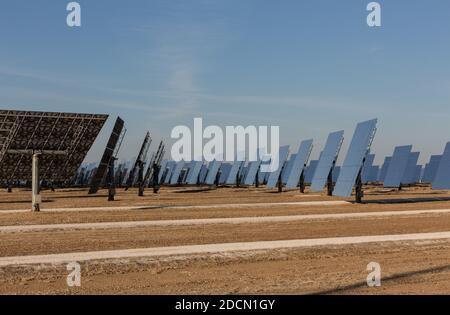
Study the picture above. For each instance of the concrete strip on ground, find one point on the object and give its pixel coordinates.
(214, 248)
(214, 206)
(236, 220)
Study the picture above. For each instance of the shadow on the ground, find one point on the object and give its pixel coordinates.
(84, 196)
(396, 191)
(403, 275)
(405, 200)
(191, 191)
(156, 207)
(22, 201)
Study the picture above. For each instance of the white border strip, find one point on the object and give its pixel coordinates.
(215, 248)
(236, 220)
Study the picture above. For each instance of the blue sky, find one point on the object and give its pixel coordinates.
(311, 67)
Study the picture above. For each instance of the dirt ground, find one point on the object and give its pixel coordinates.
(421, 267)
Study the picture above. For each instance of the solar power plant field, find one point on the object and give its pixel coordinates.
(189, 227)
(192, 240)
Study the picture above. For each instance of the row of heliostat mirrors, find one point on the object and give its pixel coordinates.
(399, 169)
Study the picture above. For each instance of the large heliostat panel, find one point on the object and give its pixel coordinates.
(354, 161)
(231, 180)
(266, 177)
(213, 168)
(155, 161)
(108, 154)
(287, 168)
(185, 172)
(224, 172)
(176, 172)
(162, 170)
(373, 173)
(194, 173)
(327, 160)
(203, 174)
(22, 131)
(169, 169)
(431, 169)
(410, 171)
(384, 168)
(397, 166)
(442, 178)
(304, 151)
(251, 173)
(310, 170)
(336, 172)
(243, 173)
(140, 160)
(365, 174)
(273, 177)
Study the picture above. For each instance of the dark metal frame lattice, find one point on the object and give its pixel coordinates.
(111, 151)
(45, 131)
